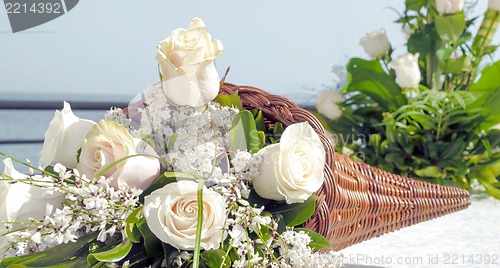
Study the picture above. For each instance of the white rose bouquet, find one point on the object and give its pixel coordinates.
(430, 112)
(185, 178)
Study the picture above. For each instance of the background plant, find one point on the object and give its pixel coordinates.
(442, 130)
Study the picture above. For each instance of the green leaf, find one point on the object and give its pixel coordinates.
(296, 214)
(487, 91)
(230, 100)
(278, 131)
(115, 254)
(131, 230)
(262, 139)
(171, 141)
(259, 121)
(164, 179)
(491, 189)
(415, 4)
(430, 172)
(369, 77)
(64, 253)
(244, 135)
(152, 244)
(216, 258)
(450, 27)
(317, 241)
(420, 43)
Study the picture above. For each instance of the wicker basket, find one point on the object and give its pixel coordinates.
(357, 201)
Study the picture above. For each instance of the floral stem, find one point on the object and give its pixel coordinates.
(199, 223)
(28, 165)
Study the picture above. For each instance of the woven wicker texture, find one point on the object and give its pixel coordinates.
(357, 201)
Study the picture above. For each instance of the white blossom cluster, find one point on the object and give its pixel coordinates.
(91, 206)
(299, 254)
(190, 139)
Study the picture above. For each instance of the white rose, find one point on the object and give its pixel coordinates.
(449, 6)
(187, 62)
(20, 202)
(327, 104)
(172, 214)
(64, 138)
(494, 5)
(292, 169)
(376, 43)
(108, 142)
(407, 70)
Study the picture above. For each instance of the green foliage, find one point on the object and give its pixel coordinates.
(164, 179)
(114, 254)
(369, 78)
(441, 132)
(244, 133)
(295, 214)
(317, 241)
(450, 27)
(230, 100)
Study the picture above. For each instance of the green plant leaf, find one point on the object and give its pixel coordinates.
(415, 4)
(152, 244)
(487, 91)
(259, 121)
(492, 189)
(430, 172)
(216, 258)
(244, 135)
(230, 100)
(131, 230)
(171, 141)
(296, 214)
(278, 130)
(450, 27)
(115, 254)
(368, 77)
(420, 42)
(164, 179)
(317, 241)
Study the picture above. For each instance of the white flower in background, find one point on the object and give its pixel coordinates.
(407, 70)
(187, 62)
(64, 138)
(108, 142)
(494, 5)
(172, 214)
(376, 43)
(449, 6)
(21, 202)
(497, 127)
(327, 104)
(292, 169)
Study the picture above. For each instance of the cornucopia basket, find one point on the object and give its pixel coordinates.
(357, 201)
